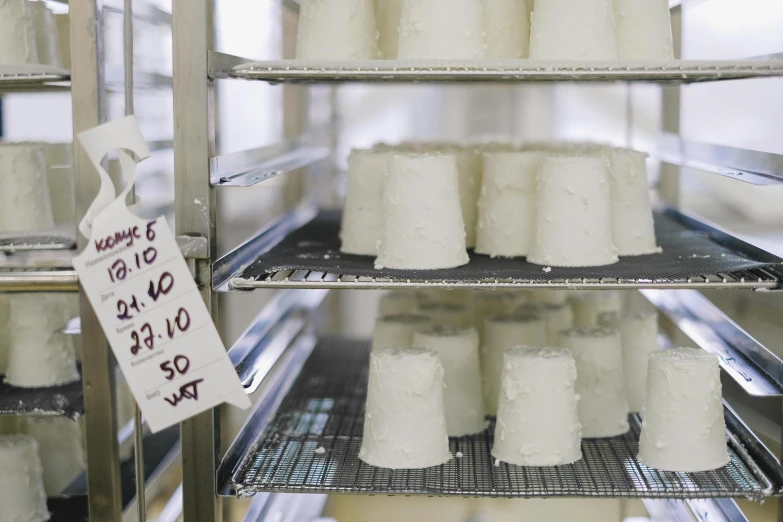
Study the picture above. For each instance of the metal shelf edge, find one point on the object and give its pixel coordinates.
(749, 166)
(225, 268)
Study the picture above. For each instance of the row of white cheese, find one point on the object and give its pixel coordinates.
(546, 399)
(421, 206)
(30, 33)
(476, 29)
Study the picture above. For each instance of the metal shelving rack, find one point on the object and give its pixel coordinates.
(276, 347)
(98, 490)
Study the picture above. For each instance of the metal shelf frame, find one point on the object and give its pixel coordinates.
(268, 357)
(32, 78)
(392, 71)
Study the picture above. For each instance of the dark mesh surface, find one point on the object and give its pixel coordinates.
(65, 400)
(687, 254)
(325, 408)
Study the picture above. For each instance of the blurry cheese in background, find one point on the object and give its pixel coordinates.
(360, 508)
(357, 508)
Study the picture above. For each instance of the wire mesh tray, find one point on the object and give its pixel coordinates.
(67, 400)
(679, 71)
(694, 256)
(325, 408)
(34, 243)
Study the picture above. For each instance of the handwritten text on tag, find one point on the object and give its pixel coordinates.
(154, 317)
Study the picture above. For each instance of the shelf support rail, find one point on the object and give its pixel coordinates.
(750, 166)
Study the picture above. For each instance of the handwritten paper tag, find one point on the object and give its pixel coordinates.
(147, 302)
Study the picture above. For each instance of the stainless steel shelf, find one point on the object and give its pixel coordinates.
(324, 408)
(750, 166)
(250, 167)
(23, 279)
(755, 368)
(30, 78)
(33, 243)
(683, 71)
(302, 250)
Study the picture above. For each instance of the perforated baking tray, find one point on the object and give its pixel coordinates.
(695, 255)
(325, 409)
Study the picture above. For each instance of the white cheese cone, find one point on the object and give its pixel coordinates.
(422, 225)
(557, 318)
(446, 314)
(63, 22)
(441, 29)
(633, 230)
(337, 30)
(639, 337)
(683, 428)
(22, 495)
(387, 16)
(59, 177)
(40, 356)
(397, 303)
(361, 226)
(573, 30)
(469, 166)
(600, 380)
(507, 205)
(60, 447)
(405, 417)
(46, 38)
(24, 195)
(451, 296)
(537, 423)
(488, 303)
(5, 331)
(501, 333)
(644, 30)
(458, 349)
(506, 28)
(17, 34)
(574, 214)
(588, 305)
(396, 331)
(546, 296)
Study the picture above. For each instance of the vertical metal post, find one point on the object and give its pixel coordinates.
(194, 143)
(669, 185)
(87, 91)
(138, 422)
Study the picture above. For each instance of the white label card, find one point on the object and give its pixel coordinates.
(148, 304)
